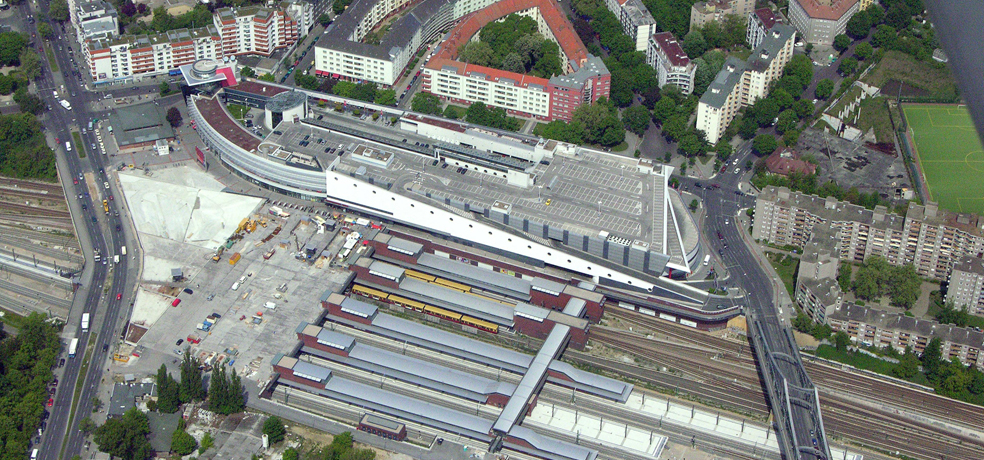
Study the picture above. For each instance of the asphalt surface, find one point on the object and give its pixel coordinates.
(96, 233)
(958, 27)
(724, 240)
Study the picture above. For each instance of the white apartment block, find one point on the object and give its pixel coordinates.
(966, 286)
(459, 83)
(252, 30)
(739, 84)
(819, 21)
(673, 66)
(341, 53)
(878, 328)
(636, 20)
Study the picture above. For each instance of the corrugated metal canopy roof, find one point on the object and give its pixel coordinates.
(548, 285)
(575, 307)
(553, 446)
(451, 340)
(359, 306)
(386, 269)
(336, 339)
(525, 309)
(530, 383)
(405, 245)
(464, 301)
(430, 371)
(407, 404)
(312, 370)
(476, 273)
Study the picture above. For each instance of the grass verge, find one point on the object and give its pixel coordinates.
(237, 111)
(51, 57)
(935, 80)
(12, 319)
(79, 146)
(786, 267)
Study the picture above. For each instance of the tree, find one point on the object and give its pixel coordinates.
(863, 50)
(748, 127)
(307, 81)
(58, 10)
(126, 436)
(478, 53)
(291, 454)
(884, 36)
(45, 30)
(513, 62)
(694, 204)
(248, 72)
(788, 120)
(165, 88)
(207, 442)
(765, 110)
(273, 427)
(675, 128)
(803, 108)
(694, 43)
(192, 386)
(764, 144)
(183, 443)
(897, 17)
(650, 97)
(841, 42)
(782, 98)
(87, 426)
(663, 110)
(27, 102)
(218, 391)
(824, 89)
(848, 66)
(844, 276)
(174, 116)
(236, 401)
(267, 77)
(908, 365)
(12, 44)
(841, 341)
(386, 97)
(932, 358)
(128, 8)
(692, 145)
(324, 20)
(859, 26)
(426, 103)
(636, 119)
(96, 404)
(167, 392)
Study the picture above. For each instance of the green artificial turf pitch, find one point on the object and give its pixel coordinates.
(950, 155)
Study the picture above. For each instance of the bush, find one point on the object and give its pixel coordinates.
(273, 427)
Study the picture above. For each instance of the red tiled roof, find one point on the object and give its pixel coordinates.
(785, 161)
(259, 88)
(228, 128)
(491, 74)
(766, 17)
(826, 9)
(674, 52)
(562, 30)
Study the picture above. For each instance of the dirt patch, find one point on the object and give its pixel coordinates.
(903, 89)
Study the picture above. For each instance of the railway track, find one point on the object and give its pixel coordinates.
(31, 235)
(9, 208)
(39, 188)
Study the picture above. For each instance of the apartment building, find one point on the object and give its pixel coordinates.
(133, 55)
(819, 21)
(930, 239)
(255, 30)
(702, 13)
(739, 84)
(966, 285)
(879, 328)
(759, 23)
(636, 20)
(673, 66)
(586, 78)
(95, 19)
(817, 291)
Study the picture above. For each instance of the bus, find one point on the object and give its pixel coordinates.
(85, 322)
(73, 346)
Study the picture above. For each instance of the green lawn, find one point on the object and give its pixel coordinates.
(79, 145)
(51, 57)
(237, 111)
(933, 78)
(786, 268)
(950, 155)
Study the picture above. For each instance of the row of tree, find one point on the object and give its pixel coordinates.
(515, 45)
(595, 123)
(172, 393)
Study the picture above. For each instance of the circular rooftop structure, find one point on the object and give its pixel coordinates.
(285, 101)
(204, 69)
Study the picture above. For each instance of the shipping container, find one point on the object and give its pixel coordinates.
(176, 302)
(235, 258)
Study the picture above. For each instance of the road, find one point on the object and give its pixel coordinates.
(96, 232)
(726, 239)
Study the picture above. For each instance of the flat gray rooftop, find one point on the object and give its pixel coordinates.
(532, 380)
(502, 280)
(460, 301)
(588, 194)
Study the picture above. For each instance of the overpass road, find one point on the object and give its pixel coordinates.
(792, 397)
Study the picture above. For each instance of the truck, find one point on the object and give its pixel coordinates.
(85, 322)
(67, 105)
(106, 206)
(73, 347)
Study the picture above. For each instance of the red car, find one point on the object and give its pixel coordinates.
(119, 296)
(51, 402)
(111, 198)
(75, 181)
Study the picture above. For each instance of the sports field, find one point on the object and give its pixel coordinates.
(950, 155)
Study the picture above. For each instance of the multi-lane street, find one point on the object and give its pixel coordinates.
(105, 285)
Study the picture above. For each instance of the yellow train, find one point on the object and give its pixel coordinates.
(418, 275)
(452, 285)
(414, 305)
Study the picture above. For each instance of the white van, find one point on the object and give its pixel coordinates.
(235, 286)
(242, 279)
(116, 259)
(34, 455)
(123, 250)
(707, 259)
